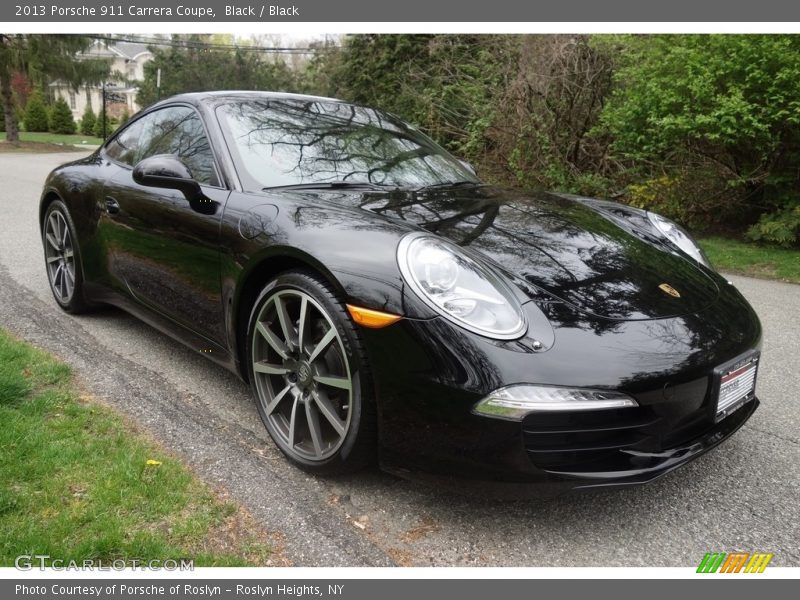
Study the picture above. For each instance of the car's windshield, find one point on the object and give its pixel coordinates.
(284, 142)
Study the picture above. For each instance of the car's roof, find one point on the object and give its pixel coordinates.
(222, 96)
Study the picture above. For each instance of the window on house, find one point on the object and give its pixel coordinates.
(72, 100)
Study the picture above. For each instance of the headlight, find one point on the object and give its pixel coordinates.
(459, 288)
(516, 401)
(678, 236)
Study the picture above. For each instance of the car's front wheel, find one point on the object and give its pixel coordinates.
(309, 375)
(62, 258)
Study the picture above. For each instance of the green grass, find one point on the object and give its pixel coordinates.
(56, 138)
(750, 259)
(75, 483)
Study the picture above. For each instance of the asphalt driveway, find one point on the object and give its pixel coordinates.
(741, 496)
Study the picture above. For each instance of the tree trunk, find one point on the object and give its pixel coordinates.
(12, 128)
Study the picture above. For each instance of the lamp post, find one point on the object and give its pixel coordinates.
(104, 108)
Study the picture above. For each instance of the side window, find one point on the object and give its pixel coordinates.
(178, 130)
(126, 147)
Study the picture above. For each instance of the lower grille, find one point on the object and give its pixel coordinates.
(558, 439)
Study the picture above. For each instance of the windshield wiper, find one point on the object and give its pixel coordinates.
(449, 184)
(332, 185)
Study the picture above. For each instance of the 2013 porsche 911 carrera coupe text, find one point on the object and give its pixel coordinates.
(384, 304)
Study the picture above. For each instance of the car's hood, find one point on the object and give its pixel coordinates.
(563, 245)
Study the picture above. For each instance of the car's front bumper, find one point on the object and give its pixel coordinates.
(430, 374)
(624, 468)
(630, 467)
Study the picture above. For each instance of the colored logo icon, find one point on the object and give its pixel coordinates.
(734, 562)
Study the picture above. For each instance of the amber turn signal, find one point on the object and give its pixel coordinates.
(374, 319)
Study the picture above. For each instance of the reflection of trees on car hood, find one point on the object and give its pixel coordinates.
(565, 246)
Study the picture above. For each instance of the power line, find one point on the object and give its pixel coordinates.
(198, 45)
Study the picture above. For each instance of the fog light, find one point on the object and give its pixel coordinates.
(516, 401)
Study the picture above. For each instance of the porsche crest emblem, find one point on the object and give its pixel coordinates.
(668, 289)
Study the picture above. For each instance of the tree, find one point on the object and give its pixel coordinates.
(88, 120)
(44, 58)
(61, 120)
(9, 118)
(711, 126)
(36, 113)
(111, 126)
(98, 126)
(21, 87)
(549, 97)
(195, 69)
(521, 107)
(376, 70)
(444, 84)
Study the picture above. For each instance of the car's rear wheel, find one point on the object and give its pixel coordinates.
(309, 375)
(62, 258)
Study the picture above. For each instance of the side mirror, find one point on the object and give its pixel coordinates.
(167, 171)
(468, 166)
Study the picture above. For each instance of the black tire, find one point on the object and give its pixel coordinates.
(290, 421)
(69, 279)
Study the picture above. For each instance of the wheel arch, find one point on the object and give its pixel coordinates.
(49, 196)
(252, 281)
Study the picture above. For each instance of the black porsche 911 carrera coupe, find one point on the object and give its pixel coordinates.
(384, 304)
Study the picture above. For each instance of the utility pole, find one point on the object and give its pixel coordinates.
(158, 84)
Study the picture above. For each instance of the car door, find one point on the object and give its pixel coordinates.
(160, 250)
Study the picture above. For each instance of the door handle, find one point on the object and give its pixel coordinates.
(112, 206)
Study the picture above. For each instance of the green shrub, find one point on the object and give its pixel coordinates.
(719, 115)
(88, 120)
(111, 125)
(782, 227)
(61, 120)
(98, 126)
(36, 113)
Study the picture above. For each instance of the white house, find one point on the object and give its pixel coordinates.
(127, 68)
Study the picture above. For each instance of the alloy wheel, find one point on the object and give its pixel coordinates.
(60, 256)
(302, 375)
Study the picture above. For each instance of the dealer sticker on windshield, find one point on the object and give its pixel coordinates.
(737, 386)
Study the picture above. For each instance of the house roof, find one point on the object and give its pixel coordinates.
(126, 50)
